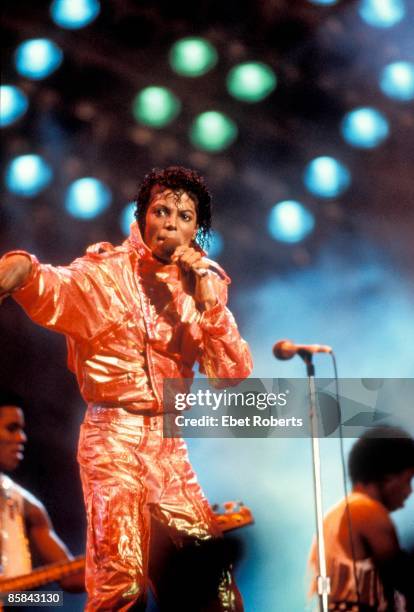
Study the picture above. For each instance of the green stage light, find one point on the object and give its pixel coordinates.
(213, 131)
(251, 81)
(192, 57)
(156, 106)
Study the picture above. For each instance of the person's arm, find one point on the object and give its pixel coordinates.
(47, 543)
(224, 353)
(14, 270)
(378, 532)
(60, 298)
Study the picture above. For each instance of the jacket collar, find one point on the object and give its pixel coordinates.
(137, 243)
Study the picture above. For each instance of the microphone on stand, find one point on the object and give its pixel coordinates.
(286, 349)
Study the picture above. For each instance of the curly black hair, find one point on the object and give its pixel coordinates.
(178, 178)
(379, 452)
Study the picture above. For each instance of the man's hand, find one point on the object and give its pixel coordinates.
(14, 271)
(189, 260)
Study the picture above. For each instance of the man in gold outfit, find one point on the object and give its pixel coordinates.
(134, 315)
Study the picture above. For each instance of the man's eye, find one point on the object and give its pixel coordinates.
(160, 211)
(186, 217)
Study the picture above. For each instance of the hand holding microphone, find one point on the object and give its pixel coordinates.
(191, 261)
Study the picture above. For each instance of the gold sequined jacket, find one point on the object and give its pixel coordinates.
(129, 324)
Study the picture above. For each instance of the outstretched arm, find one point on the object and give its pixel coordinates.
(14, 270)
(59, 298)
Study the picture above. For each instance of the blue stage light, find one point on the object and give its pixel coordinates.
(87, 198)
(74, 14)
(397, 81)
(324, 2)
(127, 217)
(28, 175)
(38, 58)
(382, 13)
(290, 221)
(216, 244)
(326, 177)
(13, 104)
(365, 128)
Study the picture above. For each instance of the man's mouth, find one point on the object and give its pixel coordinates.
(168, 244)
(18, 452)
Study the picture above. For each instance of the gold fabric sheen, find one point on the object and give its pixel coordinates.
(129, 324)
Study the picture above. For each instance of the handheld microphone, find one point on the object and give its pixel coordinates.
(169, 246)
(286, 349)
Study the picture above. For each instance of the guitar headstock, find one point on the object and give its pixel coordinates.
(232, 515)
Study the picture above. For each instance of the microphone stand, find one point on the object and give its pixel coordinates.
(322, 580)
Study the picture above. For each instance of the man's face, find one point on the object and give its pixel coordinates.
(170, 221)
(12, 437)
(396, 488)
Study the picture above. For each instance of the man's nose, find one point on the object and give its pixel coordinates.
(21, 436)
(171, 221)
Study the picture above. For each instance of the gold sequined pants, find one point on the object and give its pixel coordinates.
(129, 472)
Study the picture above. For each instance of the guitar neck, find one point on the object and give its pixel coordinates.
(42, 575)
(235, 516)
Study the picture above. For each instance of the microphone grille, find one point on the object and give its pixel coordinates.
(280, 350)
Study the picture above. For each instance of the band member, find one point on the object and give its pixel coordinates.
(25, 524)
(134, 315)
(365, 563)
